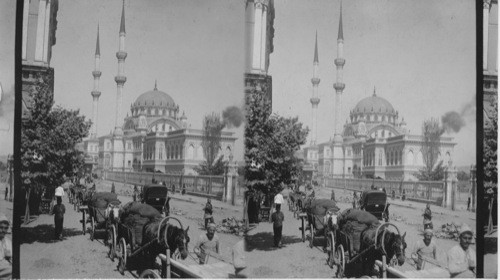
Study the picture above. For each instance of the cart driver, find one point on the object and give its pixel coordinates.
(462, 258)
(208, 242)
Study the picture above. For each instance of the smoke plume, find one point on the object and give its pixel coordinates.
(232, 116)
(453, 121)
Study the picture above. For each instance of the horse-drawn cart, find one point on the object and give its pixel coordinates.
(366, 244)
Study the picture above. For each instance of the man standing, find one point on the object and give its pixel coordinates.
(207, 216)
(425, 248)
(332, 196)
(462, 258)
(208, 242)
(58, 211)
(5, 249)
(428, 217)
(277, 218)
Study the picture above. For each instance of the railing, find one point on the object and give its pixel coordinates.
(433, 191)
(203, 185)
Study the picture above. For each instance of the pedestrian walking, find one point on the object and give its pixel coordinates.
(5, 249)
(207, 242)
(113, 187)
(462, 258)
(332, 196)
(424, 248)
(468, 203)
(58, 211)
(208, 216)
(277, 218)
(428, 217)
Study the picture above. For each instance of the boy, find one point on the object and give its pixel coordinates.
(58, 211)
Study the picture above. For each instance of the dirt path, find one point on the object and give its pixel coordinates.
(78, 257)
(297, 260)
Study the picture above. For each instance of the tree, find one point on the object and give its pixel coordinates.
(432, 170)
(212, 129)
(270, 145)
(463, 176)
(48, 142)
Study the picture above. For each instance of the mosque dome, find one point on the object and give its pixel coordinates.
(374, 104)
(155, 98)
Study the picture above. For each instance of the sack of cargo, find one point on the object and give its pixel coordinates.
(359, 216)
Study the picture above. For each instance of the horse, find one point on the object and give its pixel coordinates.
(175, 239)
(386, 243)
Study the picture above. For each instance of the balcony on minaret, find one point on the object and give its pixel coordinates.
(121, 55)
(339, 61)
(314, 100)
(315, 81)
(339, 86)
(96, 74)
(120, 79)
(95, 93)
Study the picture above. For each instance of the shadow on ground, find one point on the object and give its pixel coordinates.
(44, 234)
(264, 241)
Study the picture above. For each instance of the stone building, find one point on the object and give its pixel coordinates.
(373, 142)
(154, 136)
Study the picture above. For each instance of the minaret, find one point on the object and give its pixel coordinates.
(95, 92)
(339, 85)
(120, 79)
(315, 99)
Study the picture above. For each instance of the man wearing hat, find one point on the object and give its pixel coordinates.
(462, 258)
(5, 249)
(425, 248)
(208, 242)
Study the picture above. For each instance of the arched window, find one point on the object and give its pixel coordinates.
(409, 158)
(190, 152)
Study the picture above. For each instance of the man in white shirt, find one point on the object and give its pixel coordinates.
(462, 258)
(5, 249)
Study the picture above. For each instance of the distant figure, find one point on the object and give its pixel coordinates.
(428, 217)
(6, 192)
(424, 248)
(372, 187)
(208, 213)
(58, 211)
(332, 196)
(462, 258)
(113, 187)
(354, 199)
(277, 218)
(383, 189)
(208, 242)
(468, 202)
(183, 189)
(393, 194)
(5, 249)
(403, 197)
(136, 193)
(173, 188)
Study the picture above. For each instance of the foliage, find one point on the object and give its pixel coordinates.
(48, 141)
(490, 147)
(432, 170)
(271, 142)
(463, 176)
(212, 129)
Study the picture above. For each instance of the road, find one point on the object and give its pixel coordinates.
(76, 256)
(297, 260)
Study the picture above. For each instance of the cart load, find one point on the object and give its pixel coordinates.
(136, 215)
(353, 222)
(102, 199)
(318, 208)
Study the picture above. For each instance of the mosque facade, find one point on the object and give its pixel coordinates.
(153, 137)
(374, 141)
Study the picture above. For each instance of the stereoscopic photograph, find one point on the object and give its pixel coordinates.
(250, 139)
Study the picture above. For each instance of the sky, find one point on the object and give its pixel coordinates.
(420, 56)
(194, 49)
(7, 75)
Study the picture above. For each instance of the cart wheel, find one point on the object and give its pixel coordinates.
(122, 256)
(149, 274)
(331, 249)
(112, 242)
(311, 240)
(92, 229)
(340, 261)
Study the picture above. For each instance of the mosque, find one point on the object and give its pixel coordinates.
(154, 137)
(374, 141)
